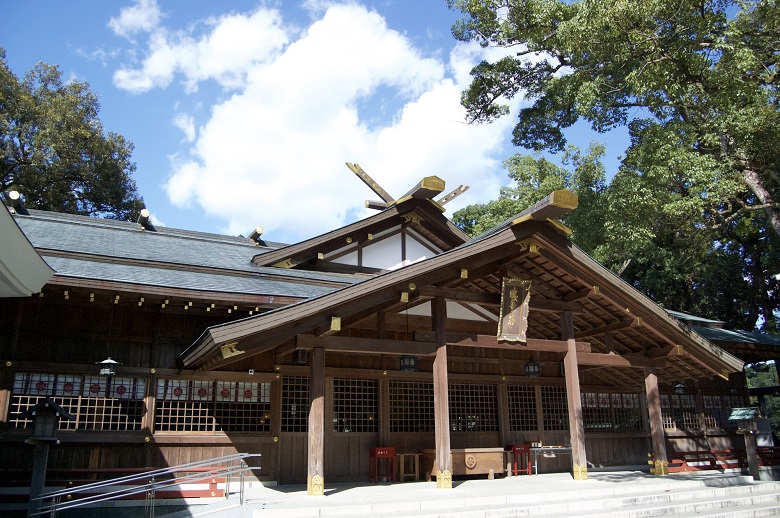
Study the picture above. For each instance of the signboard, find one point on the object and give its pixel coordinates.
(513, 318)
(743, 414)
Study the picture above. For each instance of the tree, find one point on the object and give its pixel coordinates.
(53, 149)
(696, 84)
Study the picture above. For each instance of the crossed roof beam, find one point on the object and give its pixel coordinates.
(427, 188)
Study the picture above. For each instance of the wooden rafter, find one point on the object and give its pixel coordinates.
(625, 324)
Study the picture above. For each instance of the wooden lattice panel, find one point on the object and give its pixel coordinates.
(611, 412)
(99, 403)
(554, 408)
(295, 404)
(522, 408)
(411, 406)
(473, 407)
(355, 405)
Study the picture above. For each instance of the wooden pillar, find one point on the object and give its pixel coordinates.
(576, 426)
(148, 419)
(384, 412)
(661, 464)
(441, 405)
(503, 414)
(6, 387)
(315, 480)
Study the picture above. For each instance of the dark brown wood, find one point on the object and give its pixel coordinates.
(316, 468)
(581, 294)
(625, 324)
(576, 425)
(376, 205)
(609, 342)
(493, 299)
(365, 345)
(441, 396)
(491, 342)
(661, 466)
(461, 295)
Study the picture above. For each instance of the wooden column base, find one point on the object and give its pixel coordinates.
(444, 479)
(580, 471)
(315, 486)
(661, 467)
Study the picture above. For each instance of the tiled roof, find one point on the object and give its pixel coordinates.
(189, 280)
(729, 335)
(121, 251)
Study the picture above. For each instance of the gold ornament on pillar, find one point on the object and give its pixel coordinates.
(315, 486)
(580, 472)
(444, 479)
(661, 467)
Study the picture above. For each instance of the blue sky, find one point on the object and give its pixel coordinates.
(243, 112)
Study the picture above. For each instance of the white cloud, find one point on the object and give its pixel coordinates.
(273, 153)
(143, 16)
(186, 123)
(234, 44)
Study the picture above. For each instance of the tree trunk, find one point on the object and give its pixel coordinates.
(754, 182)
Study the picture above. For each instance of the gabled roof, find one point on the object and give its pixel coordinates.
(609, 313)
(423, 215)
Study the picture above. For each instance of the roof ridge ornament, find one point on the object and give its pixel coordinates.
(426, 189)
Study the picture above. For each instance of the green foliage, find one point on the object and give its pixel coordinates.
(692, 217)
(54, 151)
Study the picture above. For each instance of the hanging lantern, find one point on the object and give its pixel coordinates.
(533, 369)
(408, 363)
(108, 367)
(679, 389)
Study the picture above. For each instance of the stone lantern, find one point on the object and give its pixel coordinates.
(45, 415)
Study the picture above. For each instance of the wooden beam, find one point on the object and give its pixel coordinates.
(355, 168)
(537, 303)
(426, 189)
(553, 206)
(461, 295)
(582, 294)
(365, 345)
(491, 342)
(625, 324)
(376, 205)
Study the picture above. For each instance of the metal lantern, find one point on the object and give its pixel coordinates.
(679, 389)
(108, 367)
(533, 369)
(408, 363)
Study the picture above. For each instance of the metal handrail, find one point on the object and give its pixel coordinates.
(235, 464)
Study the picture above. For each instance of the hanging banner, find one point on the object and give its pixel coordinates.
(513, 318)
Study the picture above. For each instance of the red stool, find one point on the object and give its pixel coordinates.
(374, 454)
(521, 456)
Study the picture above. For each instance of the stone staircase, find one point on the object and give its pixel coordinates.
(605, 495)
